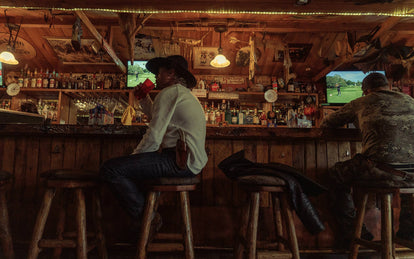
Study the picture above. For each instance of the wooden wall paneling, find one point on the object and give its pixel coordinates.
(310, 159)
(332, 149)
(69, 152)
(9, 145)
(344, 150)
(325, 238)
(57, 152)
(222, 184)
(310, 241)
(207, 176)
(239, 196)
(299, 161)
(88, 153)
(263, 157)
(31, 193)
(19, 169)
(281, 153)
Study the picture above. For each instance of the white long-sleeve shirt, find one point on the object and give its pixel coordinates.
(174, 108)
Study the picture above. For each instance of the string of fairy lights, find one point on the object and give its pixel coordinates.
(403, 12)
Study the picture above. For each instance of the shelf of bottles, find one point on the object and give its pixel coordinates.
(277, 114)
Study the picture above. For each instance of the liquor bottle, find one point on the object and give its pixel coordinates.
(256, 120)
(39, 79)
(26, 79)
(93, 81)
(45, 82)
(63, 82)
(212, 116)
(227, 115)
(241, 117)
(69, 81)
(20, 78)
(206, 112)
(263, 118)
(52, 80)
(58, 81)
(249, 117)
(234, 117)
(33, 79)
(219, 116)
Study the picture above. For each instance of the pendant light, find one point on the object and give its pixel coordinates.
(220, 60)
(7, 56)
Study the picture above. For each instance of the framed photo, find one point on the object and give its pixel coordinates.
(144, 47)
(86, 55)
(203, 56)
(297, 53)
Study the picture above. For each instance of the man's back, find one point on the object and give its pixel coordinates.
(386, 121)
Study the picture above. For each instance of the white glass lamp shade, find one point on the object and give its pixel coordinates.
(8, 58)
(220, 61)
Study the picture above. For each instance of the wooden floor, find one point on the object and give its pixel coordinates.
(128, 252)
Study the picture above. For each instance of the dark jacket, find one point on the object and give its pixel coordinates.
(299, 185)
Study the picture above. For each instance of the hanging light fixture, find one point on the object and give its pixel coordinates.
(7, 56)
(220, 60)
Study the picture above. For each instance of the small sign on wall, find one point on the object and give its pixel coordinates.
(203, 56)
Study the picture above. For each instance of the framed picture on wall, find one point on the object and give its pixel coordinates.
(202, 57)
(86, 55)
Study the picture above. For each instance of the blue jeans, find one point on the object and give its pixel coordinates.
(124, 173)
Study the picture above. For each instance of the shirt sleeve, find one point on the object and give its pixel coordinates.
(340, 117)
(162, 112)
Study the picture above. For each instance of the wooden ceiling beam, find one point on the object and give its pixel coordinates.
(384, 27)
(101, 40)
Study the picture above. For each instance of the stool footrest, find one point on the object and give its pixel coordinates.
(405, 243)
(263, 254)
(50, 243)
(165, 247)
(376, 245)
(168, 236)
(73, 234)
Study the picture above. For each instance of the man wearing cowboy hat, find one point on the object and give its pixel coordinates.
(174, 110)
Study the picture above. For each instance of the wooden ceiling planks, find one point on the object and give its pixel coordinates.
(321, 30)
(322, 6)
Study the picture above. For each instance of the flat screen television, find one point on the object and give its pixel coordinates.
(344, 86)
(137, 73)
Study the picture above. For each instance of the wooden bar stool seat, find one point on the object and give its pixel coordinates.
(5, 234)
(68, 181)
(246, 244)
(155, 188)
(386, 246)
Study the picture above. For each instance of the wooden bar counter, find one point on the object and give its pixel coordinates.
(28, 150)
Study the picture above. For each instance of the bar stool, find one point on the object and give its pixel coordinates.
(282, 213)
(386, 246)
(155, 188)
(66, 181)
(5, 234)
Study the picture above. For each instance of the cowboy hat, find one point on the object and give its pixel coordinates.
(178, 63)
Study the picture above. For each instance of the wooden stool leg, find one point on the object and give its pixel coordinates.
(252, 228)
(287, 210)
(277, 217)
(40, 223)
(61, 223)
(241, 239)
(188, 231)
(359, 221)
(386, 227)
(146, 224)
(100, 237)
(5, 234)
(82, 248)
